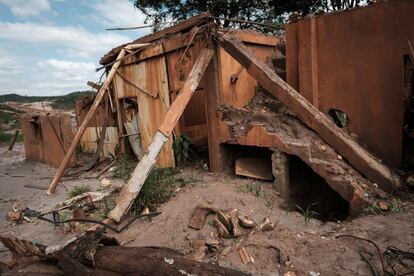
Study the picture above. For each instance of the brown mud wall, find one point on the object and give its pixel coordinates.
(353, 61)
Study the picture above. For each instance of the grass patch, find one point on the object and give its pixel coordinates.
(124, 168)
(395, 206)
(186, 180)
(157, 189)
(254, 188)
(7, 137)
(78, 190)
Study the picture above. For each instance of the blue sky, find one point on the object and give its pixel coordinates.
(52, 47)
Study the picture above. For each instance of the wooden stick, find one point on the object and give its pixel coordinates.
(136, 46)
(355, 154)
(13, 141)
(84, 125)
(94, 85)
(410, 51)
(140, 174)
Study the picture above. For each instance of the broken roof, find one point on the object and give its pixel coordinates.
(180, 27)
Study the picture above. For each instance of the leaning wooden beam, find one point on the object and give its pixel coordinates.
(13, 140)
(140, 174)
(356, 155)
(85, 123)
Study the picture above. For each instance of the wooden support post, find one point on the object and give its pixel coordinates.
(84, 125)
(410, 51)
(216, 151)
(355, 154)
(13, 141)
(140, 174)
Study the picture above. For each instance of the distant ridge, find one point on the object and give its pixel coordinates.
(64, 102)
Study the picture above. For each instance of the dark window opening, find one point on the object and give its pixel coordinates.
(339, 117)
(308, 190)
(36, 128)
(250, 161)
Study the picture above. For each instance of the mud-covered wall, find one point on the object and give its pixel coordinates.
(353, 61)
(41, 142)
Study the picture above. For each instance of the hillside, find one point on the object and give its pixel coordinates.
(64, 102)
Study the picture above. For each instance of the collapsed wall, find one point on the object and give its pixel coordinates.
(265, 122)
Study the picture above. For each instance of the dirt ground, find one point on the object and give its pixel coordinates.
(307, 249)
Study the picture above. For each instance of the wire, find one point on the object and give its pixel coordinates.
(371, 242)
(115, 229)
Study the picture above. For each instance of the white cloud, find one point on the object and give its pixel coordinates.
(27, 8)
(69, 71)
(79, 41)
(120, 13)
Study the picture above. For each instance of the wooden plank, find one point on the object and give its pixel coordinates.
(84, 125)
(410, 51)
(131, 190)
(356, 155)
(179, 27)
(151, 75)
(215, 150)
(178, 106)
(258, 168)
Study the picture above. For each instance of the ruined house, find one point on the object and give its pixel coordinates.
(331, 134)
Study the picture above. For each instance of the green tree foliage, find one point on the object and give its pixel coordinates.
(264, 11)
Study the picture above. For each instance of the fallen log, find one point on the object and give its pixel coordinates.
(355, 154)
(95, 254)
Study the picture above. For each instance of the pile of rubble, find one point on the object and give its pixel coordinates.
(229, 224)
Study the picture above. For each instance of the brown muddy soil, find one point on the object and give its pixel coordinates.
(291, 246)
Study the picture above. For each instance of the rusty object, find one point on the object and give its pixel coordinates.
(360, 158)
(41, 137)
(355, 73)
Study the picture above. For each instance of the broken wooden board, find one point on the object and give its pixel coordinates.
(342, 142)
(258, 168)
(140, 174)
(134, 135)
(199, 216)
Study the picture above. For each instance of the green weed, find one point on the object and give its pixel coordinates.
(78, 190)
(254, 188)
(182, 150)
(373, 209)
(269, 201)
(124, 168)
(308, 213)
(158, 188)
(396, 206)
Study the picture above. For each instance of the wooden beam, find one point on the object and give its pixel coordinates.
(356, 155)
(217, 154)
(84, 125)
(140, 174)
(94, 85)
(13, 140)
(410, 51)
